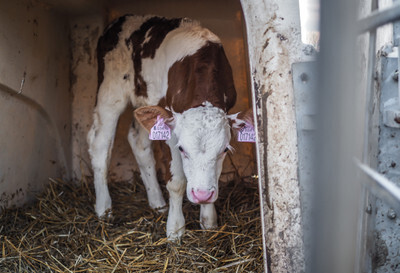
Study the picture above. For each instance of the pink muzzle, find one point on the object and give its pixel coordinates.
(202, 196)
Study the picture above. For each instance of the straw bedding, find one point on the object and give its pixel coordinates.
(61, 233)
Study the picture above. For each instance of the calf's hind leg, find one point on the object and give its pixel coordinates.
(101, 139)
(141, 146)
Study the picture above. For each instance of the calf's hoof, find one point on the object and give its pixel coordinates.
(176, 236)
(207, 225)
(160, 207)
(175, 229)
(103, 209)
(106, 216)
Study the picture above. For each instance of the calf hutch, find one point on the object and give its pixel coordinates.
(199, 136)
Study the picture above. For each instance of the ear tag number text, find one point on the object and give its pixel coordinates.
(160, 130)
(247, 133)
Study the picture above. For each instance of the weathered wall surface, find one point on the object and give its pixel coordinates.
(225, 20)
(85, 31)
(273, 34)
(34, 124)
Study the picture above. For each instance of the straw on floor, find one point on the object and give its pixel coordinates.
(61, 233)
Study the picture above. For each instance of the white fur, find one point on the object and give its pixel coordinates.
(203, 132)
(176, 188)
(208, 216)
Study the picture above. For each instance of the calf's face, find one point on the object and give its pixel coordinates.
(203, 135)
(202, 138)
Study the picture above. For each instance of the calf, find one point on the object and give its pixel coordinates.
(175, 72)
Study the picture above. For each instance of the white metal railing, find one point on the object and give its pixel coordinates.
(379, 18)
(382, 187)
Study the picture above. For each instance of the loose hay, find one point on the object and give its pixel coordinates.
(61, 233)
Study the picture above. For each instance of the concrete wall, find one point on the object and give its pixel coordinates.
(35, 102)
(225, 20)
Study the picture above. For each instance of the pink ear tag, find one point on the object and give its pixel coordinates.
(247, 133)
(160, 130)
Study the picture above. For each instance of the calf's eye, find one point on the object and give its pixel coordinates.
(183, 153)
(226, 150)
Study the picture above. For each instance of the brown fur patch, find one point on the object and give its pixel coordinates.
(107, 42)
(203, 76)
(247, 116)
(163, 159)
(147, 115)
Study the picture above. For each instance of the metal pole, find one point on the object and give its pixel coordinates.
(337, 190)
(362, 259)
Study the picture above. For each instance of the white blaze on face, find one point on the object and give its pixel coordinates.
(203, 135)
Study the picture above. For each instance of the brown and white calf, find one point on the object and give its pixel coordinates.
(173, 70)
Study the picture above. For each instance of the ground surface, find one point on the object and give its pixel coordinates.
(61, 233)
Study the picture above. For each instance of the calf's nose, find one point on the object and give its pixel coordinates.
(202, 196)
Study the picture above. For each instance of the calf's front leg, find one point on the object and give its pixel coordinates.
(141, 146)
(176, 188)
(176, 220)
(208, 216)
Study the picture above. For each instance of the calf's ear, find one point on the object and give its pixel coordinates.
(238, 120)
(147, 116)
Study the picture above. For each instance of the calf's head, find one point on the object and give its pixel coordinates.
(202, 135)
